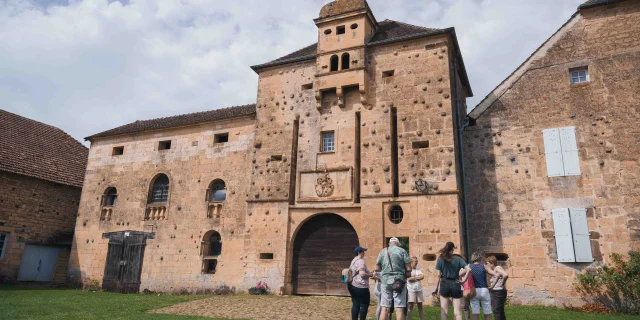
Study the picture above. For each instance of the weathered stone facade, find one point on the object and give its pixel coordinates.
(510, 196)
(369, 120)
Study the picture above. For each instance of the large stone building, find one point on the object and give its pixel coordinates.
(552, 162)
(41, 174)
(361, 137)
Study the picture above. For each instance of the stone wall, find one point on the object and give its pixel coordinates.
(173, 260)
(34, 211)
(510, 196)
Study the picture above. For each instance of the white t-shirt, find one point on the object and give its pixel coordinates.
(500, 285)
(415, 286)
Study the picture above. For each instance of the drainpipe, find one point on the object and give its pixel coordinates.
(461, 127)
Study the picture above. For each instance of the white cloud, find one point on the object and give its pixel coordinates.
(88, 66)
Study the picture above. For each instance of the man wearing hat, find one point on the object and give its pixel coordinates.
(359, 285)
(394, 262)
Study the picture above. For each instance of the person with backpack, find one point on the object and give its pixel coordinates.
(358, 285)
(482, 296)
(449, 268)
(395, 264)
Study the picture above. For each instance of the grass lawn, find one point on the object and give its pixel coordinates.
(528, 313)
(28, 303)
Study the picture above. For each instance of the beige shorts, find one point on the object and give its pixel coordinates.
(416, 297)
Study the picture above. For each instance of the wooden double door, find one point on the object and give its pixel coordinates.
(125, 255)
(323, 247)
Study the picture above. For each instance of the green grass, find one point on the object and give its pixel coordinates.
(23, 303)
(527, 313)
(28, 303)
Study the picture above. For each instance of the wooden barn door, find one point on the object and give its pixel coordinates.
(322, 248)
(124, 261)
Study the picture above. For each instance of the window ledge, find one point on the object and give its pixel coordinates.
(580, 85)
(210, 257)
(327, 152)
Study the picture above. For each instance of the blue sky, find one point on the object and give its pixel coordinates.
(91, 65)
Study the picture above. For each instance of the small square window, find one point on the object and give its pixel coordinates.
(221, 138)
(117, 151)
(328, 141)
(387, 74)
(266, 256)
(307, 86)
(579, 76)
(4, 238)
(420, 144)
(164, 145)
(340, 30)
(276, 158)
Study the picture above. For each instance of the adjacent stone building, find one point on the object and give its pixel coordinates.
(551, 159)
(41, 174)
(364, 136)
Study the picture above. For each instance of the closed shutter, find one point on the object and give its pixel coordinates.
(553, 152)
(580, 231)
(569, 151)
(564, 239)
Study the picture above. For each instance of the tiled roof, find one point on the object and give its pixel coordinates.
(34, 149)
(179, 121)
(342, 6)
(597, 3)
(394, 30)
(388, 30)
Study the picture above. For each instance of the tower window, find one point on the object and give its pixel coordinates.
(340, 30)
(328, 141)
(117, 151)
(345, 61)
(327, 32)
(396, 214)
(387, 74)
(164, 145)
(334, 62)
(354, 26)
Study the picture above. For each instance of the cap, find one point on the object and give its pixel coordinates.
(394, 240)
(359, 249)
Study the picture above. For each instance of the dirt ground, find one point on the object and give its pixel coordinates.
(266, 307)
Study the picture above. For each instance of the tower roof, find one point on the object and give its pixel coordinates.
(342, 6)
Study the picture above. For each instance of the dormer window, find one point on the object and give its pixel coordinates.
(340, 30)
(334, 62)
(345, 61)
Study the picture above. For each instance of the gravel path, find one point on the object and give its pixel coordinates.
(266, 307)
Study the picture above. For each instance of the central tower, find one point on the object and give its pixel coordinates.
(343, 29)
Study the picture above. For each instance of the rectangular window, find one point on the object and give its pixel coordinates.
(561, 152)
(4, 238)
(572, 235)
(328, 141)
(579, 76)
(387, 74)
(117, 151)
(307, 86)
(420, 144)
(164, 145)
(276, 158)
(266, 256)
(340, 30)
(221, 138)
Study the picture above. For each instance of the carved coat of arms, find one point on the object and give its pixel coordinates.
(324, 186)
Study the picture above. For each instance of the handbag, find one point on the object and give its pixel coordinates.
(469, 287)
(398, 285)
(435, 296)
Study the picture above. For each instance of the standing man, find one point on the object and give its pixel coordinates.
(394, 263)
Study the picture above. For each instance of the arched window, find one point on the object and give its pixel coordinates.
(345, 61)
(110, 197)
(211, 249)
(159, 189)
(217, 191)
(334, 62)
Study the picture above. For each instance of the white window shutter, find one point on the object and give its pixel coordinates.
(569, 151)
(564, 241)
(580, 231)
(553, 152)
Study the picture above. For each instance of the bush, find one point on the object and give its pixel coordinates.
(616, 286)
(93, 286)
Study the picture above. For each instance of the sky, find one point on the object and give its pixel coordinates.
(86, 66)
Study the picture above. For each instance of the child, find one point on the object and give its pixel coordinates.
(414, 287)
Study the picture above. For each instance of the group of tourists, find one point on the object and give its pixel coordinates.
(399, 284)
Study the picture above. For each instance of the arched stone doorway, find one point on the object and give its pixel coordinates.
(323, 246)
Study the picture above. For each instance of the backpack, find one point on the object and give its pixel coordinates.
(469, 288)
(347, 274)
